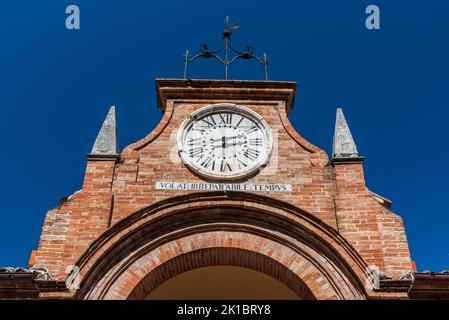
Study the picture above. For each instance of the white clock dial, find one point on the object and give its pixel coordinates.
(225, 142)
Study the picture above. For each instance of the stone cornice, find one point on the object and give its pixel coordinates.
(102, 157)
(348, 160)
(176, 89)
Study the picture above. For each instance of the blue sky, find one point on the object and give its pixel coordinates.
(393, 84)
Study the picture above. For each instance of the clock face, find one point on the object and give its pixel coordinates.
(224, 142)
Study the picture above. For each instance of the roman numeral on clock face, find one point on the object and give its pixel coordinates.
(225, 118)
(241, 164)
(240, 121)
(224, 165)
(255, 142)
(210, 121)
(209, 162)
(251, 154)
(193, 142)
(195, 152)
(251, 129)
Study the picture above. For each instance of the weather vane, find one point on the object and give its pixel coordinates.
(206, 53)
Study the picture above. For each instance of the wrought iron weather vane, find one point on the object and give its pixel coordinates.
(246, 54)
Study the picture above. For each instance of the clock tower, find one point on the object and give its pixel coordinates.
(224, 191)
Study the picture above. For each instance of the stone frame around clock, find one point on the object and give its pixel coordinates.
(224, 107)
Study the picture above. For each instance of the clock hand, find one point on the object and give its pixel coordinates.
(231, 144)
(224, 137)
(223, 147)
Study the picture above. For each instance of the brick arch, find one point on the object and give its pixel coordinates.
(220, 256)
(133, 248)
(305, 277)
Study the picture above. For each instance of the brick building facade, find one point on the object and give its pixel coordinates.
(143, 217)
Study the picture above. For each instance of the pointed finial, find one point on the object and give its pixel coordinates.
(343, 146)
(106, 145)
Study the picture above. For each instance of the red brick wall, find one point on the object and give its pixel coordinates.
(377, 233)
(69, 229)
(112, 191)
